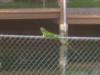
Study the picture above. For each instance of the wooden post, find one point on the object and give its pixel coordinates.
(63, 32)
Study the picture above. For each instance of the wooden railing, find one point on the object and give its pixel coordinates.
(50, 13)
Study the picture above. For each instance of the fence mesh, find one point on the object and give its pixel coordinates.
(20, 55)
(84, 57)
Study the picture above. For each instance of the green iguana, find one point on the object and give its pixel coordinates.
(48, 34)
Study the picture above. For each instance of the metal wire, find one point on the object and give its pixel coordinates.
(35, 55)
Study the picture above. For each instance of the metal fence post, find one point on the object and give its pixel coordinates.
(63, 32)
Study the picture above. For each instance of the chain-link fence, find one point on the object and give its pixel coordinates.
(28, 56)
(83, 56)
(32, 55)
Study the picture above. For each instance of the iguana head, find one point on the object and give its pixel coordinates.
(43, 31)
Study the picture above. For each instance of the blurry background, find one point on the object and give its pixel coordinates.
(27, 3)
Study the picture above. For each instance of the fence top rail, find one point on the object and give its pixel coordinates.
(41, 37)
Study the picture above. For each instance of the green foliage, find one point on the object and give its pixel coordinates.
(27, 4)
(84, 3)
